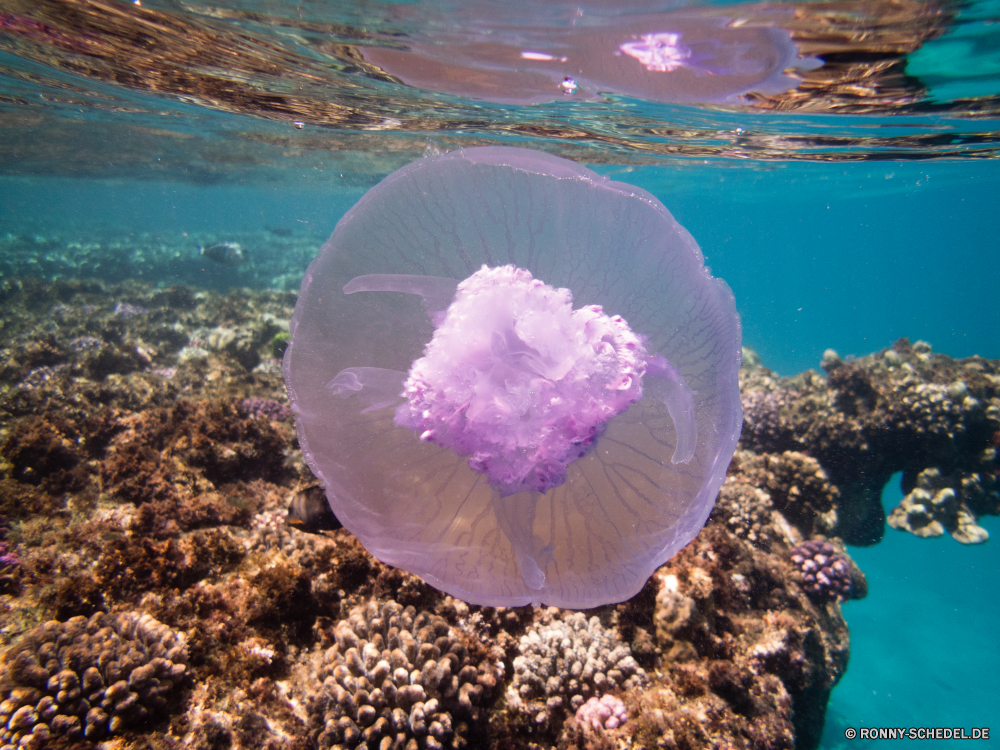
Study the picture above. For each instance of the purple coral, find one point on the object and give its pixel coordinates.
(826, 575)
(128, 310)
(608, 712)
(265, 407)
(8, 558)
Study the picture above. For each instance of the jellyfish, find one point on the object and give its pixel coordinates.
(515, 378)
(693, 55)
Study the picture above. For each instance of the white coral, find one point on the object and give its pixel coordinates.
(563, 663)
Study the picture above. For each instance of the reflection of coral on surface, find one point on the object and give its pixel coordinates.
(88, 678)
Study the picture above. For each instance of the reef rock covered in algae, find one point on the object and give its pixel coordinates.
(148, 462)
(904, 409)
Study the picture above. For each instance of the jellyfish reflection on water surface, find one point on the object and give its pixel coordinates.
(516, 378)
(692, 55)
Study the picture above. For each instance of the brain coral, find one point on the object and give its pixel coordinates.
(397, 679)
(568, 660)
(87, 678)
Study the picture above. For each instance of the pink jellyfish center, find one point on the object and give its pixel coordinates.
(519, 381)
(661, 52)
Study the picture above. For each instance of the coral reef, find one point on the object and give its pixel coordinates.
(565, 660)
(742, 645)
(396, 678)
(826, 574)
(279, 260)
(767, 495)
(88, 678)
(938, 504)
(903, 409)
(148, 466)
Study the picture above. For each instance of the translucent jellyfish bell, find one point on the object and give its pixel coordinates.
(516, 378)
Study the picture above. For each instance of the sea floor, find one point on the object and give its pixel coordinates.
(150, 460)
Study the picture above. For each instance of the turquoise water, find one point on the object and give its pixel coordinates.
(847, 243)
(842, 256)
(923, 646)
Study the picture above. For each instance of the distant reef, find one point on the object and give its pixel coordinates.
(153, 596)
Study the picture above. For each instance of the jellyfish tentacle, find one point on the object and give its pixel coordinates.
(436, 291)
(516, 516)
(667, 385)
(375, 386)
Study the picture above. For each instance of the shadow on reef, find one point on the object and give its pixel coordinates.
(151, 590)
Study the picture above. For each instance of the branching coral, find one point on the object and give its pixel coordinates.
(88, 678)
(397, 679)
(567, 660)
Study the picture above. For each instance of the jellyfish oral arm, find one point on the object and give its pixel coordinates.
(379, 387)
(665, 384)
(436, 291)
(518, 380)
(375, 386)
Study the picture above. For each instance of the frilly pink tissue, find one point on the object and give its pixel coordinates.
(518, 380)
